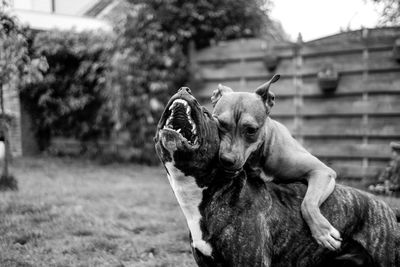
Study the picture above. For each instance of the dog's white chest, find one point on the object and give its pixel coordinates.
(189, 196)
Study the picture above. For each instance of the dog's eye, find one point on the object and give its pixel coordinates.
(251, 130)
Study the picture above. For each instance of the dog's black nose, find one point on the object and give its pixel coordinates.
(227, 160)
(185, 89)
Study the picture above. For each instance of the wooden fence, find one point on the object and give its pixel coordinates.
(349, 129)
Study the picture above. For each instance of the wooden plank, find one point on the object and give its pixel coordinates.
(336, 149)
(221, 70)
(283, 50)
(337, 127)
(384, 127)
(327, 141)
(285, 107)
(380, 128)
(347, 171)
(322, 106)
(348, 84)
(352, 169)
(353, 40)
(352, 105)
(235, 49)
(379, 163)
(382, 36)
(389, 81)
(341, 62)
(288, 123)
(347, 40)
(382, 60)
(286, 66)
(282, 88)
(234, 70)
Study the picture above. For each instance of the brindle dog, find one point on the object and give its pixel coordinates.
(244, 221)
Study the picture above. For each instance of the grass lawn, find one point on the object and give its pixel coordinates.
(78, 213)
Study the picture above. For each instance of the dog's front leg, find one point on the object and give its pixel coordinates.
(321, 184)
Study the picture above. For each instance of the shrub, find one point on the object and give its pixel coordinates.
(201, 21)
(73, 98)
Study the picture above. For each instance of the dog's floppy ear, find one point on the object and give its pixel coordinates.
(219, 92)
(267, 96)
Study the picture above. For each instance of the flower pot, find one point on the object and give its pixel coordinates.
(328, 80)
(271, 62)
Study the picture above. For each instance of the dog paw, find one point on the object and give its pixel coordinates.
(327, 236)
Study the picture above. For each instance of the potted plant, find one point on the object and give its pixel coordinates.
(271, 62)
(328, 79)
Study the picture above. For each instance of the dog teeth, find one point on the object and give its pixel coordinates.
(189, 118)
(181, 101)
(168, 121)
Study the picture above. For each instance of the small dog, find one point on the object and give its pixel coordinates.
(248, 134)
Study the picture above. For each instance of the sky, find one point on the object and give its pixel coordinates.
(319, 18)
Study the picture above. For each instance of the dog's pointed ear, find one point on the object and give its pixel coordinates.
(219, 92)
(267, 96)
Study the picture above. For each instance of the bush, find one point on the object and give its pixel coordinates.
(201, 21)
(147, 68)
(73, 98)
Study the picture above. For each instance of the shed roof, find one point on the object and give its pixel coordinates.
(46, 21)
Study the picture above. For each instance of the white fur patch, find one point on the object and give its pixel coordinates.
(189, 196)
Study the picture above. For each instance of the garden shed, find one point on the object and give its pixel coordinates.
(338, 95)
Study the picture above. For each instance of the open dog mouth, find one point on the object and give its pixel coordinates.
(180, 121)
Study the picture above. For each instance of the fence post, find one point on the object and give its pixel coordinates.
(298, 83)
(365, 97)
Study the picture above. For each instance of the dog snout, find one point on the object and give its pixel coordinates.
(185, 90)
(229, 161)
